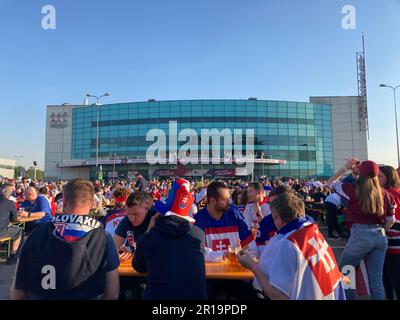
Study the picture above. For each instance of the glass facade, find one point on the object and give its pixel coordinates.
(298, 132)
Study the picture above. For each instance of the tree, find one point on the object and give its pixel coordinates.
(30, 173)
(19, 171)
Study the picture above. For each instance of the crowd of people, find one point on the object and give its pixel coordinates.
(170, 228)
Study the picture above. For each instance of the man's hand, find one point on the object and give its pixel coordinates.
(23, 214)
(125, 255)
(246, 260)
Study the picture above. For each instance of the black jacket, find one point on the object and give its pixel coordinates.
(173, 255)
(80, 267)
(8, 212)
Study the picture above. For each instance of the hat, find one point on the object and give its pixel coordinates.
(369, 168)
(179, 201)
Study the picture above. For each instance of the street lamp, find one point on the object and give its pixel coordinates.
(107, 94)
(395, 118)
(114, 158)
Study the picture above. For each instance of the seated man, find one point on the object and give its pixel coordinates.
(257, 208)
(8, 214)
(223, 224)
(116, 214)
(267, 229)
(172, 251)
(297, 263)
(35, 206)
(134, 224)
(71, 257)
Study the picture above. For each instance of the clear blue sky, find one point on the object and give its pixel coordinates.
(182, 49)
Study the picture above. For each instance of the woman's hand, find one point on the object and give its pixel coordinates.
(246, 260)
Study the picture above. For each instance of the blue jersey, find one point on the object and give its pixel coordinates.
(41, 204)
(226, 231)
(267, 229)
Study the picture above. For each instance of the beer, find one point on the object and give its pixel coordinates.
(232, 258)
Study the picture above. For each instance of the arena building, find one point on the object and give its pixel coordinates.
(297, 139)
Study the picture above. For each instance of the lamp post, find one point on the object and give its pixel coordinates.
(107, 94)
(114, 157)
(395, 118)
(35, 168)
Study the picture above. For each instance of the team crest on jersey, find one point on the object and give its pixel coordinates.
(60, 228)
(220, 244)
(319, 257)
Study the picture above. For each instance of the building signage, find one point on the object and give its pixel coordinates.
(58, 120)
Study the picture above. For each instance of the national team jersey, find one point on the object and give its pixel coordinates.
(249, 212)
(267, 229)
(299, 262)
(113, 219)
(393, 233)
(224, 232)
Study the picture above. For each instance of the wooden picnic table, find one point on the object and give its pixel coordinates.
(214, 270)
(20, 222)
(27, 219)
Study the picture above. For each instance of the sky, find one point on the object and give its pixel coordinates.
(186, 49)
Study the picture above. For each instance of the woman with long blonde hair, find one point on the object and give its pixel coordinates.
(370, 212)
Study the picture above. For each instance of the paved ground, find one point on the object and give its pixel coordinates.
(7, 272)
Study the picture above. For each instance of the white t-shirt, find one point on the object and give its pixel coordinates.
(335, 199)
(250, 215)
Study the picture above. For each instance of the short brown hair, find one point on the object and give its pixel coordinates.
(120, 192)
(213, 190)
(257, 186)
(288, 207)
(79, 191)
(135, 199)
(44, 190)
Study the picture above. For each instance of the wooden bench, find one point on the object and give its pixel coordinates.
(8, 242)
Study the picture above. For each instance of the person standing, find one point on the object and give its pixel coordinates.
(332, 207)
(370, 212)
(389, 179)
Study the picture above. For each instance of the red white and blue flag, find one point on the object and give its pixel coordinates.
(299, 262)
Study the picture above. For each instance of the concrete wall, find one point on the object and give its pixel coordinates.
(348, 140)
(7, 173)
(58, 145)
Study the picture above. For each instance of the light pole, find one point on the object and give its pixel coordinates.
(35, 168)
(395, 119)
(114, 157)
(107, 94)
